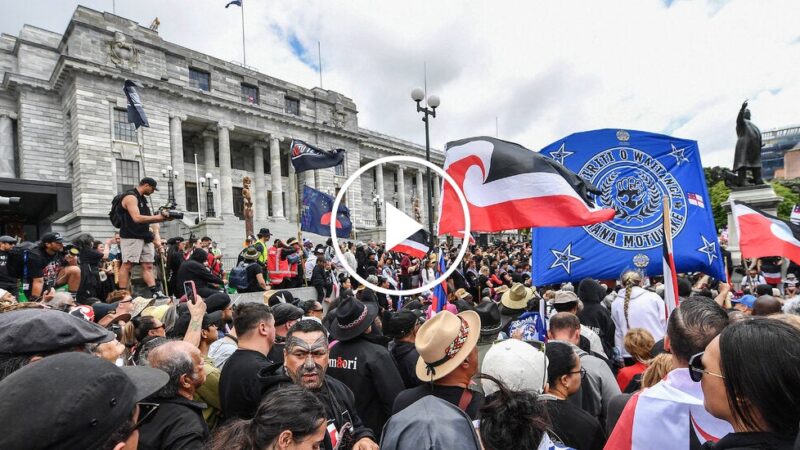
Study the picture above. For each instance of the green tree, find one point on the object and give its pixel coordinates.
(719, 193)
(790, 198)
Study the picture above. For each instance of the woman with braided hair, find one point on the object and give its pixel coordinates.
(636, 307)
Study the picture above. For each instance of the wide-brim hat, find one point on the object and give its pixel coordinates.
(139, 304)
(501, 289)
(491, 322)
(444, 342)
(517, 297)
(353, 317)
(250, 254)
(264, 232)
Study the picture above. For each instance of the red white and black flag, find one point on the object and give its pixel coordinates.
(508, 186)
(670, 274)
(762, 234)
(415, 245)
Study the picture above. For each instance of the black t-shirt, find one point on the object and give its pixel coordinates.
(131, 229)
(450, 394)
(45, 266)
(91, 257)
(240, 389)
(574, 426)
(253, 269)
(7, 281)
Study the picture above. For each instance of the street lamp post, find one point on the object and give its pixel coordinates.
(210, 184)
(418, 95)
(377, 201)
(171, 175)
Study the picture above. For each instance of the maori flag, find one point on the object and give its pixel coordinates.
(307, 157)
(762, 234)
(508, 187)
(136, 114)
(415, 245)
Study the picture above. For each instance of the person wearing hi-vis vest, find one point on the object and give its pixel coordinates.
(282, 263)
(262, 246)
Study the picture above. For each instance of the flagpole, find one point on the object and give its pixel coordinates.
(300, 230)
(197, 184)
(319, 56)
(244, 50)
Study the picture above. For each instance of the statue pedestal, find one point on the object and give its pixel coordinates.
(762, 197)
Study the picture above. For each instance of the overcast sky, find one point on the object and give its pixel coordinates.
(543, 69)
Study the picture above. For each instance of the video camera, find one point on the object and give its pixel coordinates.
(11, 201)
(172, 211)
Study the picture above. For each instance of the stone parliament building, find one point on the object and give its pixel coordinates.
(66, 147)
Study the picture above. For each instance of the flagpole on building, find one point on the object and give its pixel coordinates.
(197, 184)
(244, 50)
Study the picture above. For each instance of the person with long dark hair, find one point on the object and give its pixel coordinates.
(289, 417)
(512, 419)
(572, 426)
(751, 379)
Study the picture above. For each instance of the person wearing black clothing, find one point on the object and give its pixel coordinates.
(137, 242)
(596, 316)
(572, 425)
(174, 260)
(286, 315)
(47, 269)
(254, 271)
(448, 360)
(8, 282)
(178, 422)
(240, 388)
(194, 269)
(365, 367)
(320, 280)
(402, 326)
(306, 363)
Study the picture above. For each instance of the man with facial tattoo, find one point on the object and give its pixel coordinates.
(305, 363)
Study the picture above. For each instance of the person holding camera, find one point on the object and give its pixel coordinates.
(137, 242)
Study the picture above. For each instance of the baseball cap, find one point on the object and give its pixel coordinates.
(285, 312)
(71, 400)
(148, 180)
(47, 330)
(746, 300)
(5, 239)
(52, 237)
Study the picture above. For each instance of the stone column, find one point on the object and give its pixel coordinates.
(436, 195)
(380, 190)
(176, 153)
(291, 214)
(225, 183)
(260, 186)
(423, 211)
(7, 154)
(275, 174)
(401, 189)
(209, 166)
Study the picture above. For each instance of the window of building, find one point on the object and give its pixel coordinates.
(241, 157)
(199, 79)
(339, 169)
(292, 106)
(127, 174)
(238, 206)
(249, 94)
(191, 197)
(269, 203)
(123, 131)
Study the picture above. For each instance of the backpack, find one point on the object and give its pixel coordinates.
(115, 215)
(238, 276)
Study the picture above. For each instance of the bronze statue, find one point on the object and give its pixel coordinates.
(748, 148)
(247, 206)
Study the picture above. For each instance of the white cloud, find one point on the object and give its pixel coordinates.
(545, 69)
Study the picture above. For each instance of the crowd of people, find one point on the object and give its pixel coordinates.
(497, 364)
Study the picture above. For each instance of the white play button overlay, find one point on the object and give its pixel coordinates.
(398, 226)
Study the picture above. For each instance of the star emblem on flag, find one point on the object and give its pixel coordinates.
(564, 258)
(709, 248)
(678, 154)
(561, 153)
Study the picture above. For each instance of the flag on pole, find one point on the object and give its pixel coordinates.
(440, 291)
(762, 234)
(508, 187)
(136, 114)
(415, 245)
(316, 214)
(234, 2)
(307, 157)
(670, 275)
(635, 171)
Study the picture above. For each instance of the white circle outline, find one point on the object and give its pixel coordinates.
(464, 241)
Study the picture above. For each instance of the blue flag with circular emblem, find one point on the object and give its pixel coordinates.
(635, 171)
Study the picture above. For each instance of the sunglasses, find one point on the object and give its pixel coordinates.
(697, 369)
(146, 412)
(582, 372)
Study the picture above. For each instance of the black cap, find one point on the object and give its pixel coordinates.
(264, 232)
(34, 331)
(400, 323)
(71, 400)
(51, 237)
(284, 312)
(151, 181)
(8, 239)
